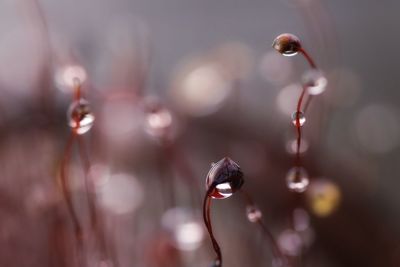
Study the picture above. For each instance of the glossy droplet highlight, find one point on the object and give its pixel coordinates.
(224, 179)
(297, 179)
(287, 44)
(315, 81)
(253, 214)
(80, 117)
(298, 118)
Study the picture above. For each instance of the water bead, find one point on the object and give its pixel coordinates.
(80, 118)
(287, 44)
(315, 81)
(298, 118)
(297, 179)
(224, 179)
(253, 214)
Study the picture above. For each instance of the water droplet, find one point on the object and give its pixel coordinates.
(298, 118)
(287, 44)
(80, 117)
(315, 81)
(297, 179)
(225, 177)
(253, 214)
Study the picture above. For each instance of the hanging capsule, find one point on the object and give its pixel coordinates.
(287, 44)
(224, 179)
(80, 118)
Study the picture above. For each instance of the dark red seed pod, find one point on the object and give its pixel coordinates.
(224, 179)
(287, 44)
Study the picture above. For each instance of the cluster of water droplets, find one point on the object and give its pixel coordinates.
(314, 83)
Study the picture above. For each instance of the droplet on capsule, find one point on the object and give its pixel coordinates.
(254, 214)
(224, 179)
(287, 44)
(80, 117)
(298, 118)
(297, 179)
(315, 81)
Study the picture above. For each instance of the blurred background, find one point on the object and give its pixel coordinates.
(175, 85)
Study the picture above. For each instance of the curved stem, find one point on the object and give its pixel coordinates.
(207, 222)
(308, 58)
(299, 105)
(88, 185)
(65, 186)
(67, 196)
(298, 126)
(277, 253)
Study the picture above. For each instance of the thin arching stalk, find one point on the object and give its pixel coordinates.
(67, 197)
(207, 222)
(300, 104)
(277, 253)
(65, 185)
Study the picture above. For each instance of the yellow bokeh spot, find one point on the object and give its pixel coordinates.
(324, 197)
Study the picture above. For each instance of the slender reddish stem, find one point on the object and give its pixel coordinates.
(277, 253)
(308, 58)
(299, 105)
(77, 91)
(67, 196)
(298, 126)
(65, 184)
(207, 222)
(88, 184)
